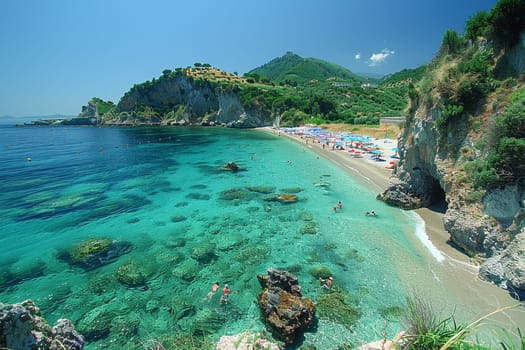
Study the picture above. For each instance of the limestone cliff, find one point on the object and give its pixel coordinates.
(452, 155)
(184, 97)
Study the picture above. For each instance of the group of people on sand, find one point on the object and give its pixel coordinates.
(226, 291)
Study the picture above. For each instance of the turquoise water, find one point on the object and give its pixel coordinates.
(160, 189)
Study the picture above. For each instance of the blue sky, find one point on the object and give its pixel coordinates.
(57, 54)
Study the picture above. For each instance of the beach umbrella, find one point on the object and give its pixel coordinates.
(377, 151)
(394, 148)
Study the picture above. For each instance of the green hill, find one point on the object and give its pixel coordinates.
(298, 90)
(293, 69)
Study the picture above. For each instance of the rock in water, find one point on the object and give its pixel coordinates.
(285, 311)
(95, 252)
(22, 327)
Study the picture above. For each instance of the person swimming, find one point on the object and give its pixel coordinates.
(326, 283)
(214, 288)
(225, 294)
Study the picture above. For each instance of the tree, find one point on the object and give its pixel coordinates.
(452, 43)
(508, 20)
(478, 26)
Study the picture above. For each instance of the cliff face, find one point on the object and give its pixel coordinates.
(179, 99)
(486, 224)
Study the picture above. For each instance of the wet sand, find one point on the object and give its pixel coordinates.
(457, 274)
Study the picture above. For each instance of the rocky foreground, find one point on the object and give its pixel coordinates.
(22, 327)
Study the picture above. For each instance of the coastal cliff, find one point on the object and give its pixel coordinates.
(461, 152)
(191, 96)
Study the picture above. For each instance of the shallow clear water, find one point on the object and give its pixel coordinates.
(160, 189)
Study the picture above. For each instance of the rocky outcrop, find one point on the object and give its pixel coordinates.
(22, 327)
(285, 311)
(177, 99)
(431, 170)
(506, 268)
(94, 252)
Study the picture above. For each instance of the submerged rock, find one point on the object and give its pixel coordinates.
(285, 311)
(22, 327)
(291, 190)
(309, 228)
(207, 322)
(236, 194)
(95, 252)
(319, 271)
(131, 275)
(204, 254)
(335, 306)
(178, 218)
(96, 324)
(21, 271)
(230, 166)
(187, 271)
(285, 198)
(252, 254)
(261, 189)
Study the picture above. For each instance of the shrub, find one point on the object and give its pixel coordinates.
(478, 25)
(482, 173)
(471, 91)
(510, 154)
(452, 43)
(480, 63)
(512, 122)
(508, 20)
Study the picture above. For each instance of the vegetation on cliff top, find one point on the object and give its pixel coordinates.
(299, 90)
(471, 84)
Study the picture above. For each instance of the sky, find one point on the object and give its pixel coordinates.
(58, 54)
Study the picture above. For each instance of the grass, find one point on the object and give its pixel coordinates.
(427, 330)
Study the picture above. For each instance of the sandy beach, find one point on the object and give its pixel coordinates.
(459, 275)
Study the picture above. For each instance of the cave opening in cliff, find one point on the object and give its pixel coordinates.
(438, 200)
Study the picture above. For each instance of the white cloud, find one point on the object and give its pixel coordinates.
(357, 56)
(378, 58)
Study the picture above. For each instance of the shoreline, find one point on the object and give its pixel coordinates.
(376, 176)
(459, 275)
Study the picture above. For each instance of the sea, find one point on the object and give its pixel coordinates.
(187, 222)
